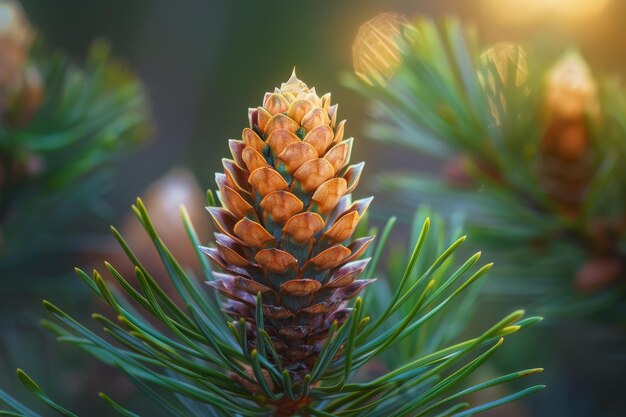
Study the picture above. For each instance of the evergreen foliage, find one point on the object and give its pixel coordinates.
(533, 151)
(191, 360)
(189, 353)
(56, 161)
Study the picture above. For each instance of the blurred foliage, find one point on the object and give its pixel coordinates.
(88, 118)
(533, 155)
(62, 126)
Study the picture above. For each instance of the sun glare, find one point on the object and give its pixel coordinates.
(525, 10)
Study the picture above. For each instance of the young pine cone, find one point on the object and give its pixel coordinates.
(565, 160)
(285, 218)
(21, 90)
(15, 39)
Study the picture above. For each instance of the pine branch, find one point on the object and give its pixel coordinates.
(57, 160)
(288, 332)
(188, 364)
(531, 155)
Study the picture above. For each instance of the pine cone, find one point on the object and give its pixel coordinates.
(565, 164)
(24, 97)
(16, 37)
(285, 217)
(565, 159)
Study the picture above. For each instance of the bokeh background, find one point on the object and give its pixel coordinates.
(203, 63)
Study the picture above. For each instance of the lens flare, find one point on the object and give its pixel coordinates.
(377, 49)
(503, 55)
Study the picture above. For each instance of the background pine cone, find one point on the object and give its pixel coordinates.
(571, 99)
(16, 37)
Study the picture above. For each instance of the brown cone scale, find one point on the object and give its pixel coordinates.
(286, 224)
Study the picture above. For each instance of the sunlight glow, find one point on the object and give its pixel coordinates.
(525, 10)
